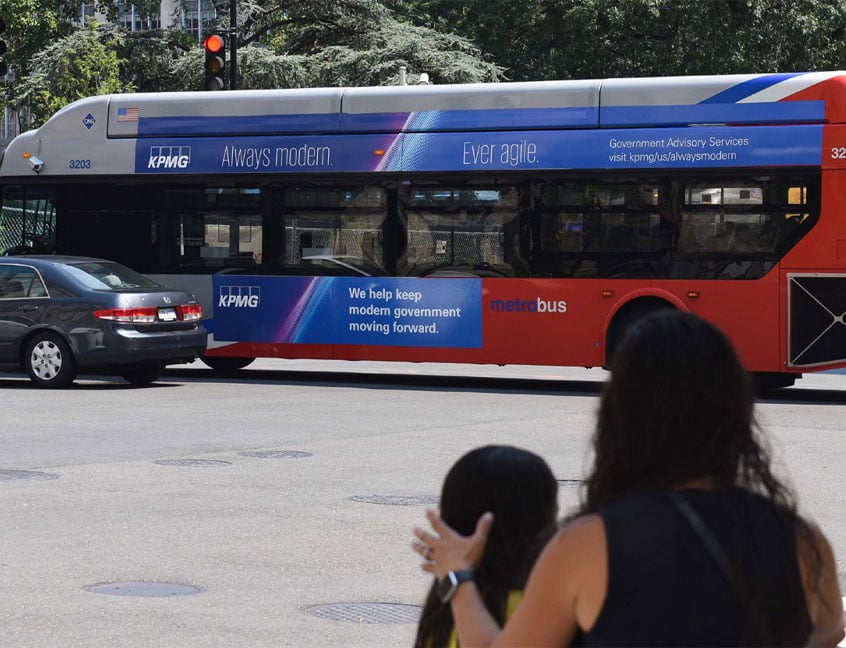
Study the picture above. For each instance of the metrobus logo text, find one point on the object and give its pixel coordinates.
(239, 297)
(528, 306)
(169, 157)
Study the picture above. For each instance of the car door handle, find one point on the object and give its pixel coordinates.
(27, 309)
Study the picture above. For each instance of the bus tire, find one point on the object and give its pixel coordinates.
(225, 363)
(624, 320)
(143, 374)
(49, 361)
(766, 382)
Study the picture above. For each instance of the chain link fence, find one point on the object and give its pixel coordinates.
(11, 227)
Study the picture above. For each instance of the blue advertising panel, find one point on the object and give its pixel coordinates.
(349, 310)
(702, 147)
(791, 112)
(653, 148)
(255, 154)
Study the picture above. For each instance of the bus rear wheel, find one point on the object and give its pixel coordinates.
(143, 374)
(624, 321)
(767, 382)
(225, 363)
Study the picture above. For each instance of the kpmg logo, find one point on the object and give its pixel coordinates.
(239, 297)
(169, 157)
(88, 121)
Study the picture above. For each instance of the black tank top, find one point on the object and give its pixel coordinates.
(666, 589)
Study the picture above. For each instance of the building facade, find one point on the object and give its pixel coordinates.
(192, 16)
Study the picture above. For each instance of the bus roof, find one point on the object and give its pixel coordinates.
(660, 102)
(609, 103)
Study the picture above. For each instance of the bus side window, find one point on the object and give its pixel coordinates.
(790, 233)
(622, 236)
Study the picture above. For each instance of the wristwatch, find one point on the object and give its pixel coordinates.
(449, 583)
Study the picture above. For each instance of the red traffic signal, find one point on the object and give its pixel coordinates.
(215, 66)
(214, 43)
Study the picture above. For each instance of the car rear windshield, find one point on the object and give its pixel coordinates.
(100, 275)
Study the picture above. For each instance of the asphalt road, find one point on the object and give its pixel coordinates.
(286, 494)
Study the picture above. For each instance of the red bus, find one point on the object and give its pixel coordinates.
(513, 223)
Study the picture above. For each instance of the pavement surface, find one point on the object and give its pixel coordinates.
(286, 504)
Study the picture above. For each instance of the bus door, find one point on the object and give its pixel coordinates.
(27, 220)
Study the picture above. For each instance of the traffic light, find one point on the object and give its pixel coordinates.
(3, 67)
(215, 47)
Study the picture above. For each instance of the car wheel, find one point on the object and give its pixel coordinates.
(143, 375)
(223, 363)
(49, 361)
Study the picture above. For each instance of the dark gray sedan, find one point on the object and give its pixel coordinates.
(62, 315)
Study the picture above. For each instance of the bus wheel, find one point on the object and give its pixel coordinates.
(49, 361)
(767, 382)
(624, 320)
(224, 363)
(143, 374)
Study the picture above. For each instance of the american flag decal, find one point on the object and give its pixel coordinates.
(127, 114)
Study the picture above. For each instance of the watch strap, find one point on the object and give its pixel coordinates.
(451, 582)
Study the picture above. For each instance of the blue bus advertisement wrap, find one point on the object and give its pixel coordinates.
(349, 310)
(659, 148)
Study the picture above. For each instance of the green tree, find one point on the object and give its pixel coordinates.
(154, 60)
(32, 25)
(596, 38)
(82, 64)
(349, 42)
(504, 31)
(258, 68)
(565, 39)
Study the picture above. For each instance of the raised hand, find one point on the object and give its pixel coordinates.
(446, 550)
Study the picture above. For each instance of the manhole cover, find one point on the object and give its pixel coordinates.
(192, 462)
(144, 588)
(20, 475)
(367, 612)
(276, 454)
(571, 483)
(397, 500)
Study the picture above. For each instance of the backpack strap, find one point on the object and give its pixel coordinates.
(705, 535)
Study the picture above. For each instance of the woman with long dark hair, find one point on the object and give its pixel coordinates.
(518, 487)
(685, 537)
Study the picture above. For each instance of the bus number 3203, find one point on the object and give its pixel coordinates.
(838, 153)
(86, 164)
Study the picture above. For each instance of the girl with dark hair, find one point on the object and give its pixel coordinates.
(685, 537)
(519, 488)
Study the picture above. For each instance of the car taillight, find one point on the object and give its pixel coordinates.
(133, 315)
(190, 312)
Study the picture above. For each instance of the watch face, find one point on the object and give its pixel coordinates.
(445, 588)
(448, 584)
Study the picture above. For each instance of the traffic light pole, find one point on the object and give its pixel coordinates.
(233, 45)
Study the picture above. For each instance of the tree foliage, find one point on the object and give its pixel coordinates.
(565, 39)
(152, 57)
(283, 43)
(301, 43)
(355, 42)
(663, 37)
(371, 52)
(81, 64)
(31, 25)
